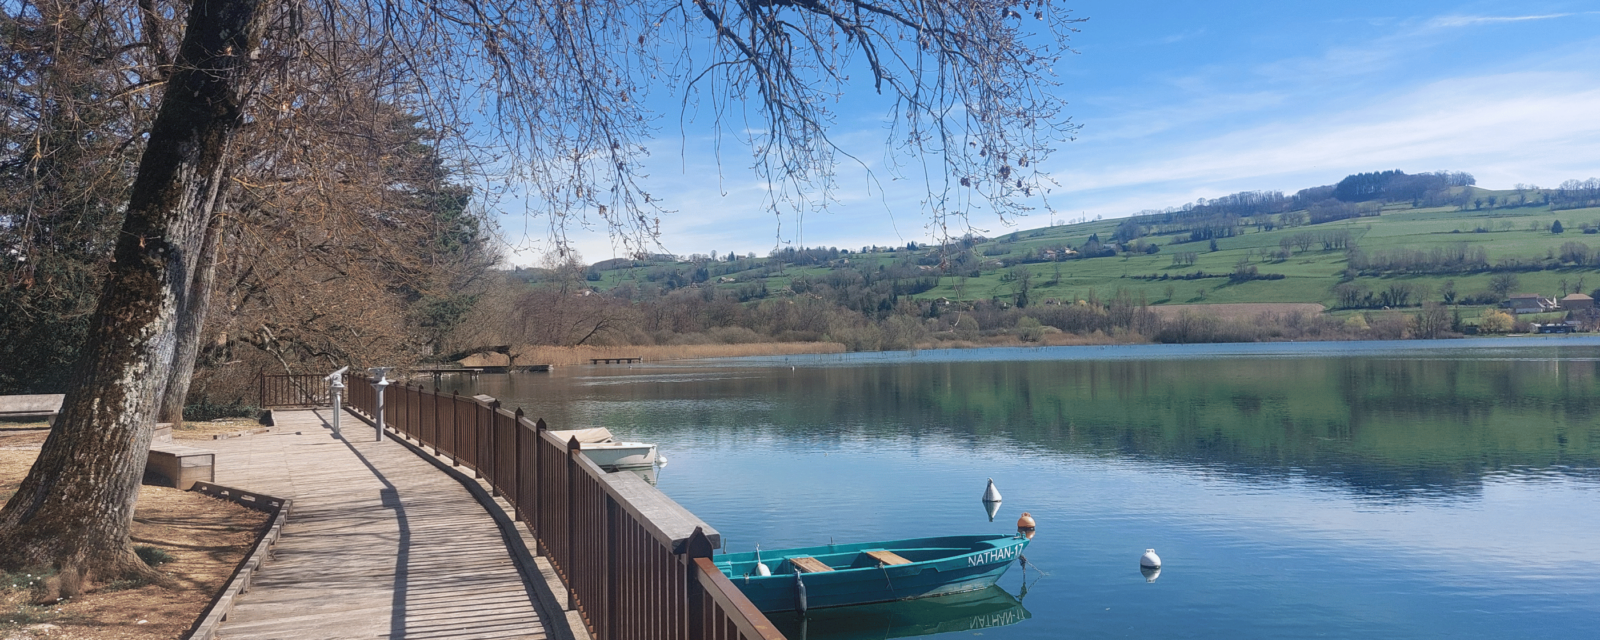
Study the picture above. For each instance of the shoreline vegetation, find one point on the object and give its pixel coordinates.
(1245, 322)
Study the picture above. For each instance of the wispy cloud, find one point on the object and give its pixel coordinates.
(1470, 21)
(1463, 123)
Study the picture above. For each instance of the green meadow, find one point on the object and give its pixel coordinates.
(1309, 275)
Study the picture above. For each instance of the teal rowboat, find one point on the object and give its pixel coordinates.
(848, 574)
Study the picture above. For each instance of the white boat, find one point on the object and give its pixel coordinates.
(608, 452)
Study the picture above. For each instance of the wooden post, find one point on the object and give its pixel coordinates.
(516, 464)
(477, 441)
(613, 569)
(538, 493)
(455, 428)
(494, 451)
(572, 523)
(698, 547)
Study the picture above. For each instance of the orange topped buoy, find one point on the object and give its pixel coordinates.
(1025, 523)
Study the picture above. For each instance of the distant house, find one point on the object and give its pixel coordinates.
(1520, 303)
(1577, 302)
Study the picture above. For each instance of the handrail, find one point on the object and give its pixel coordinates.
(627, 553)
(292, 390)
(727, 597)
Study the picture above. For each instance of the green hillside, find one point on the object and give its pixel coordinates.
(1428, 250)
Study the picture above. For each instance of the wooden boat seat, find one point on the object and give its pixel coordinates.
(808, 564)
(888, 557)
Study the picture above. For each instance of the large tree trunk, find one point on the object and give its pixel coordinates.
(74, 510)
(191, 324)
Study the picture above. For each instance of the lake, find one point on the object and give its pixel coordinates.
(1345, 490)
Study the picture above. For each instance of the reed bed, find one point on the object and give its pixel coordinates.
(534, 354)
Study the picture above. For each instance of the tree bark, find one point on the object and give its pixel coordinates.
(74, 510)
(191, 324)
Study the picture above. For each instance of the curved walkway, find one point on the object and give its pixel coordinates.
(380, 543)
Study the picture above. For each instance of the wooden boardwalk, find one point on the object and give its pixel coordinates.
(380, 544)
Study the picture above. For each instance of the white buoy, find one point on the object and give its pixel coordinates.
(991, 494)
(761, 567)
(1150, 559)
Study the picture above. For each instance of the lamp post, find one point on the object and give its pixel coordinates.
(336, 382)
(381, 374)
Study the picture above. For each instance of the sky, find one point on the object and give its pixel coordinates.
(1182, 100)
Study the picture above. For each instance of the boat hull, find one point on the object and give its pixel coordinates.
(611, 455)
(940, 566)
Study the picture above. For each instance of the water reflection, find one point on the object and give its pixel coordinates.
(984, 609)
(1382, 427)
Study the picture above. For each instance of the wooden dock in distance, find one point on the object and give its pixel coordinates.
(615, 360)
(380, 543)
(439, 371)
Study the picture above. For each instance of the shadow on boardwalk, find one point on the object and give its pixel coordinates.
(380, 543)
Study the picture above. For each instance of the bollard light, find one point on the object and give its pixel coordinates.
(381, 374)
(336, 383)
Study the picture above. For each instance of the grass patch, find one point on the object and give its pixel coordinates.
(152, 556)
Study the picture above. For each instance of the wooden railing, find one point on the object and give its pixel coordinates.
(635, 563)
(304, 390)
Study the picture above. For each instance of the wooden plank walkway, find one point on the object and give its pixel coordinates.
(380, 543)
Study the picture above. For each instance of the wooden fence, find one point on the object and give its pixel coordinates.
(637, 566)
(303, 390)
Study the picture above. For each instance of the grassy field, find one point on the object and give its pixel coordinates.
(1309, 276)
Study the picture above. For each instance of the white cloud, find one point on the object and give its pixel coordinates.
(1470, 21)
(1542, 134)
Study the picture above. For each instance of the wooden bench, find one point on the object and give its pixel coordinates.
(808, 564)
(45, 406)
(176, 465)
(887, 557)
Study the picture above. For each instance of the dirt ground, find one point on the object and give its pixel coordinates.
(205, 537)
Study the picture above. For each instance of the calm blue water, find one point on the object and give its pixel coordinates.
(1347, 490)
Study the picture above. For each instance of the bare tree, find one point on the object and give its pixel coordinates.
(558, 89)
(74, 509)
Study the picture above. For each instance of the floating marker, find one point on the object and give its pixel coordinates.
(991, 494)
(1150, 559)
(1025, 523)
(799, 594)
(761, 567)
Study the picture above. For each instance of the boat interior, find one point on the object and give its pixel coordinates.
(855, 556)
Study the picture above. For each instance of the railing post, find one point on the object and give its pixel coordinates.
(613, 568)
(698, 547)
(516, 463)
(494, 451)
(538, 493)
(571, 560)
(455, 428)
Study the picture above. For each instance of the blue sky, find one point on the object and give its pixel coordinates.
(1182, 100)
